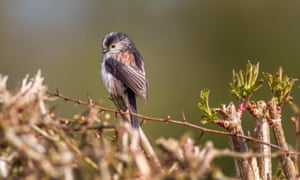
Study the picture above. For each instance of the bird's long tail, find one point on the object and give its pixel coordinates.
(132, 108)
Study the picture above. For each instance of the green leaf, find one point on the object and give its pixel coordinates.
(280, 86)
(244, 84)
(209, 115)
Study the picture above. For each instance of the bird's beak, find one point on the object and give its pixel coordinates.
(104, 50)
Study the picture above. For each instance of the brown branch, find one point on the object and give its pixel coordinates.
(276, 125)
(173, 121)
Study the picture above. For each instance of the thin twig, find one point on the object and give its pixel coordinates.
(173, 121)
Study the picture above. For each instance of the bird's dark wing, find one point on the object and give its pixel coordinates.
(133, 79)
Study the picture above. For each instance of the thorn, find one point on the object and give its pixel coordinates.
(248, 133)
(201, 134)
(57, 91)
(52, 108)
(90, 100)
(116, 114)
(183, 115)
(143, 121)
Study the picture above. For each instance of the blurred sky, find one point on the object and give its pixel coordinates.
(186, 45)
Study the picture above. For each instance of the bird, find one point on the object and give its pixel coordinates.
(123, 73)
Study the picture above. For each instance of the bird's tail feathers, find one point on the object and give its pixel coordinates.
(132, 108)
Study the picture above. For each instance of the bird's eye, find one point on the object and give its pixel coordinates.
(113, 46)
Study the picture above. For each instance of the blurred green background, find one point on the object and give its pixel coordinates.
(186, 45)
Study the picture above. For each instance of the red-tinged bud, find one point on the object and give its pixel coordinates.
(270, 122)
(241, 107)
(279, 109)
(221, 123)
